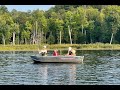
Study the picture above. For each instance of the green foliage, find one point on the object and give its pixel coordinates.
(87, 24)
(51, 39)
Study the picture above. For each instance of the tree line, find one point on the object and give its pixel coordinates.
(61, 24)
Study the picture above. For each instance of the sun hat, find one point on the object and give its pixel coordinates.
(73, 51)
(44, 46)
(70, 48)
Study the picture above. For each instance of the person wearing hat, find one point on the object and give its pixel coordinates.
(43, 52)
(71, 52)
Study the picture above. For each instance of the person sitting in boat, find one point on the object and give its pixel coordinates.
(43, 52)
(55, 53)
(71, 52)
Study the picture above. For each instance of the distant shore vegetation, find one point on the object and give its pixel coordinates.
(97, 46)
(80, 26)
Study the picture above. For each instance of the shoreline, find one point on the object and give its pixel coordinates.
(98, 46)
(66, 49)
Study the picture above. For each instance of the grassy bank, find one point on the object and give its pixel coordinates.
(97, 46)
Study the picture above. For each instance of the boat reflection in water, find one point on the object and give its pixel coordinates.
(72, 74)
(57, 74)
(42, 74)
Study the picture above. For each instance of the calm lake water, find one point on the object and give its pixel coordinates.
(98, 68)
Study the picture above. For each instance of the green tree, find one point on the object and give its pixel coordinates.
(112, 19)
(51, 39)
(5, 25)
(39, 17)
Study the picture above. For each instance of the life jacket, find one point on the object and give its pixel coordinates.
(55, 53)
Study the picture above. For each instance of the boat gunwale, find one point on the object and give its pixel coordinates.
(61, 59)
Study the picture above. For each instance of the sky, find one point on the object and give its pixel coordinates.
(25, 8)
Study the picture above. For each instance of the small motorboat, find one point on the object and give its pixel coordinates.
(58, 59)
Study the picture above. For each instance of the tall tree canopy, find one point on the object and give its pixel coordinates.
(75, 24)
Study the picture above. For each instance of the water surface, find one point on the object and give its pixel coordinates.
(98, 68)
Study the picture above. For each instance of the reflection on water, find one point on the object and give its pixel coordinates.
(51, 74)
(42, 73)
(98, 68)
(72, 75)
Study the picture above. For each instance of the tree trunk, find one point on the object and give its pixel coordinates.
(36, 36)
(70, 34)
(25, 41)
(42, 36)
(91, 38)
(85, 36)
(45, 39)
(111, 38)
(33, 40)
(82, 28)
(36, 28)
(18, 37)
(60, 37)
(13, 38)
(3, 38)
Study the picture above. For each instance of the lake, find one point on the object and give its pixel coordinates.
(98, 68)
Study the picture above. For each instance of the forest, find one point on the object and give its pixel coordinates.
(61, 24)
